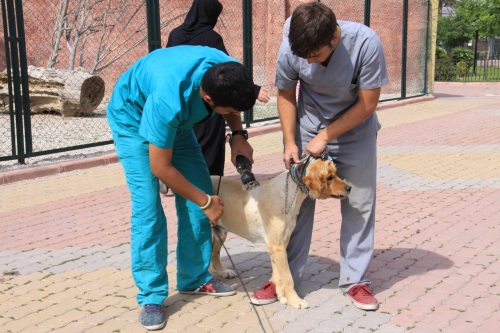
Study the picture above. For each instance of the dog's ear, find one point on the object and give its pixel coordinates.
(315, 179)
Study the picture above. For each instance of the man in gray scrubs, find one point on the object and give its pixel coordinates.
(341, 68)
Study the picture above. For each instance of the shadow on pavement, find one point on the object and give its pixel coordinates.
(441, 95)
(395, 262)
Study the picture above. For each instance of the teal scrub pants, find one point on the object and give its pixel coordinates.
(148, 222)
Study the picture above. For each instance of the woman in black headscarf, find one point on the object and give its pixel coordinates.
(198, 29)
(198, 26)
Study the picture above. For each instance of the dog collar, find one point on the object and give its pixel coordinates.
(298, 171)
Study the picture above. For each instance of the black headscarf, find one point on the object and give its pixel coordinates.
(202, 16)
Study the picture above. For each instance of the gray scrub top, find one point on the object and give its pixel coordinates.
(326, 93)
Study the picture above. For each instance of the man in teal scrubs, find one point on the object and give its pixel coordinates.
(151, 113)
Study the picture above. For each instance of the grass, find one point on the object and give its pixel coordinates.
(493, 75)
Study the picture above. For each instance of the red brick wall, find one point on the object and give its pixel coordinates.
(268, 20)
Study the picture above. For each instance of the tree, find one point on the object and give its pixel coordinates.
(469, 17)
(452, 32)
(97, 33)
(482, 16)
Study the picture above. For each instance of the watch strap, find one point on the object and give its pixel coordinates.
(240, 132)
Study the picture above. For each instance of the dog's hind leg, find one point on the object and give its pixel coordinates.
(216, 265)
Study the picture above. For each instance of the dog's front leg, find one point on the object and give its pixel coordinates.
(282, 278)
(216, 265)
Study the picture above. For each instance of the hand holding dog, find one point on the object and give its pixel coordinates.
(215, 210)
(316, 146)
(291, 155)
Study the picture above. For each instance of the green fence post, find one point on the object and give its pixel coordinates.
(427, 47)
(17, 74)
(404, 49)
(475, 52)
(247, 49)
(153, 20)
(368, 4)
(23, 63)
(9, 78)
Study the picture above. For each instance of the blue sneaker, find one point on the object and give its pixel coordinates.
(213, 287)
(151, 317)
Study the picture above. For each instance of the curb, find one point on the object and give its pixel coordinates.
(394, 104)
(13, 176)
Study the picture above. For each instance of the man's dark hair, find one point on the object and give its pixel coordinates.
(312, 26)
(229, 84)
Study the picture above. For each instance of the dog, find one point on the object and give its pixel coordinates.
(268, 214)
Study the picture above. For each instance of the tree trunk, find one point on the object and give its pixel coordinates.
(67, 92)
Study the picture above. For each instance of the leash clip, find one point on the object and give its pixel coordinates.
(325, 155)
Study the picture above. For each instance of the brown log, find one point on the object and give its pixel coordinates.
(67, 92)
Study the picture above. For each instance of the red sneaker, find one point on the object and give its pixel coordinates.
(362, 297)
(265, 295)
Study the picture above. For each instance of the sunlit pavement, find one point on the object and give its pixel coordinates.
(64, 240)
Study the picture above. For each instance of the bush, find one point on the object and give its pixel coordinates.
(445, 70)
(462, 68)
(441, 53)
(465, 57)
(460, 53)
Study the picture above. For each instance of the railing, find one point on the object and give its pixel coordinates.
(467, 70)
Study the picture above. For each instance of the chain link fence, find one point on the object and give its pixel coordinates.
(76, 49)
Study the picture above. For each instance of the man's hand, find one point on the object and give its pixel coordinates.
(240, 146)
(317, 145)
(215, 210)
(291, 155)
(263, 95)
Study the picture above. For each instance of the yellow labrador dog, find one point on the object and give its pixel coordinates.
(268, 213)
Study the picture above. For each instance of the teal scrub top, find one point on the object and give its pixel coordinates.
(160, 93)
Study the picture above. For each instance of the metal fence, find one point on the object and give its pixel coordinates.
(468, 70)
(61, 58)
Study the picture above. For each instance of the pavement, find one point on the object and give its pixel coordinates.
(64, 240)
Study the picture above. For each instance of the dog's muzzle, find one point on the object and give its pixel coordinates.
(343, 196)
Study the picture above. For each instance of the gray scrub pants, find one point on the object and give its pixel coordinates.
(356, 163)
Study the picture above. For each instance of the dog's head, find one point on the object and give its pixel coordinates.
(322, 181)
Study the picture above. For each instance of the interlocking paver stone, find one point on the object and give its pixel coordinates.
(435, 266)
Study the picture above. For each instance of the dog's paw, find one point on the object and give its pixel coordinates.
(300, 304)
(296, 302)
(227, 273)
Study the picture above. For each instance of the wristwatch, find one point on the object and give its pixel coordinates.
(241, 132)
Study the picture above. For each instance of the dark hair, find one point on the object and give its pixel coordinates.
(312, 26)
(229, 84)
